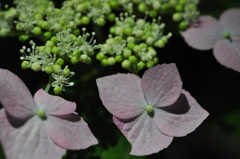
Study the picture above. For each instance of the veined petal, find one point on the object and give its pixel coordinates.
(29, 141)
(15, 96)
(122, 95)
(161, 85)
(70, 132)
(180, 124)
(228, 54)
(143, 135)
(53, 105)
(230, 20)
(205, 35)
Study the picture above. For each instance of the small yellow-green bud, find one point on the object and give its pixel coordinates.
(57, 90)
(23, 38)
(130, 39)
(127, 53)
(130, 45)
(57, 27)
(133, 59)
(85, 20)
(37, 31)
(155, 60)
(101, 21)
(88, 61)
(54, 39)
(48, 69)
(83, 58)
(104, 62)
(41, 113)
(113, 3)
(149, 109)
(100, 56)
(177, 17)
(56, 67)
(137, 48)
(72, 25)
(76, 32)
(24, 65)
(4, 32)
(47, 35)
(66, 71)
(55, 50)
(112, 30)
(126, 64)
(62, 21)
(183, 25)
(179, 8)
(127, 31)
(160, 43)
(139, 33)
(142, 7)
(36, 66)
(49, 44)
(74, 60)
(111, 17)
(153, 13)
(59, 61)
(165, 7)
(111, 61)
(150, 64)
(140, 65)
(45, 25)
(119, 58)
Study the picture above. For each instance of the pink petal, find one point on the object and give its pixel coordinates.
(122, 95)
(180, 124)
(29, 141)
(162, 85)
(15, 96)
(70, 132)
(143, 135)
(228, 54)
(53, 105)
(230, 20)
(204, 36)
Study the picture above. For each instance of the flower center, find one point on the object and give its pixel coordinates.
(227, 35)
(41, 114)
(149, 109)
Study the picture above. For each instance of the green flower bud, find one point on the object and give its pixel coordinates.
(57, 27)
(81, 8)
(119, 58)
(137, 48)
(23, 38)
(177, 17)
(85, 20)
(48, 69)
(127, 53)
(54, 39)
(74, 60)
(62, 21)
(140, 65)
(118, 30)
(100, 56)
(182, 2)
(56, 67)
(156, 5)
(88, 61)
(139, 33)
(133, 59)
(24, 65)
(49, 44)
(57, 90)
(83, 58)
(36, 66)
(111, 17)
(127, 31)
(4, 32)
(38, 16)
(183, 25)
(66, 71)
(76, 53)
(111, 61)
(165, 7)
(45, 25)
(150, 40)
(55, 50)
(142, 7)
(160, 43)
(155, 60)
(113, 3)
(149, 109)
(41, 48)
(72, 25)
(130, 45)
(179, 8)
(104, 62)
(126, 64)
(143, 45)
(112, 30)
(150, 64)
(101, 21)
(76, 32)
(152, 13)
(59, 61)
(47, 35)
(37, 31)
(130, 39)
(48, 49)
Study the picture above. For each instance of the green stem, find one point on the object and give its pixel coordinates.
(49, 83)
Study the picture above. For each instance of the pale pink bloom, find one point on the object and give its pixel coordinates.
(223, 36)
(26, 135)
(152, 110)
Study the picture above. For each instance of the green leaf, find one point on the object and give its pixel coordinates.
(120, 151)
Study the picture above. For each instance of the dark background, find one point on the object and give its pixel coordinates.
(215, 87)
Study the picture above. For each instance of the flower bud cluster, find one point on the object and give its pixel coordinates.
(134, 42)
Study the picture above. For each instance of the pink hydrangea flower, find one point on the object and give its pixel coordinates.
(223, 36)
(152, 110)
(41, 127)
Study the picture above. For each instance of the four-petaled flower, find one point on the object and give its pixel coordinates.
(223, 36)
(39, 128)
(152, 110)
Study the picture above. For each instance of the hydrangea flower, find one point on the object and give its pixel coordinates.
(152, 110)
(41, 127)
(223, 36)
